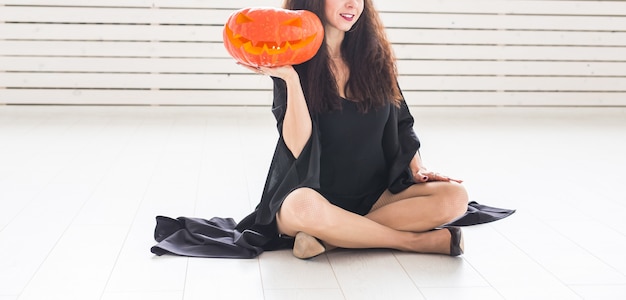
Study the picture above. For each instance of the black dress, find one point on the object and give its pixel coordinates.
(353, 167)
(351, 158)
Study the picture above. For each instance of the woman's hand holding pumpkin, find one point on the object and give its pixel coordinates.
(283, 72)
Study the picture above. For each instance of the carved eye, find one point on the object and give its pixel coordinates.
(297, 22)
(242, 18)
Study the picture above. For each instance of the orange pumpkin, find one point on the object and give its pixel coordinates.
(272, 37)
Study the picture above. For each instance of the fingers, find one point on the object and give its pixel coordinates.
(456, 180)
(258, 70)
(421, 176)
(433, 176)
(439, 177)
(283, 72)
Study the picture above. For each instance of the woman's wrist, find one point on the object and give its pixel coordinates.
(292, 78)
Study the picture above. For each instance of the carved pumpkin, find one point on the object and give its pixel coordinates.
(272, 37)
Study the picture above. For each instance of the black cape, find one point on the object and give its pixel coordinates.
(224, 238)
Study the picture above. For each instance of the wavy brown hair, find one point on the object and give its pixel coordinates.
(368, 54)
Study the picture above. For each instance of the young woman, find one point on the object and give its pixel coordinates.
(346, 171)
(343, 113)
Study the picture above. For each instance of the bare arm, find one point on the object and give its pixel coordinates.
(416, 163)
(297, 125)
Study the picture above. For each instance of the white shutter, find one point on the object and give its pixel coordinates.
(449, 52)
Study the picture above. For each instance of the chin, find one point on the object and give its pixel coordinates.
(347, 28)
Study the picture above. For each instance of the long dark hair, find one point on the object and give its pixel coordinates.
(368, 54)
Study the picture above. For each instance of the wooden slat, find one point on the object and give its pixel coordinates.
(256, 82)
(106, 32)
(122, 49)
(146, 3)
(440, 6)
(228, 66)
(217, 3)
(134, 97)
(96, 15)
(519, 22)
(122, 65)
(556, 53)
(506, 37)
(515, 98)
(136, 81)
(495, 83)
(609, 8)
(213, 33)
(91, 15)
(519, 68)
(206, 50)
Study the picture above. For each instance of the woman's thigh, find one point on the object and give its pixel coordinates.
(421, 206)
(434, 188)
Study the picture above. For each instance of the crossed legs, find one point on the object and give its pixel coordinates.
(402, 221)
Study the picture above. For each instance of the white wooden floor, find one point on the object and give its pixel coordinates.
(80, 187)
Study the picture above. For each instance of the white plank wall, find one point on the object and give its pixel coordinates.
(450, 52)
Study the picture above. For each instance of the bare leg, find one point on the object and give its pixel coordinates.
(306, 210)
(421, 207)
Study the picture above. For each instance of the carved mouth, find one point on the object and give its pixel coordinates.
(272, 48)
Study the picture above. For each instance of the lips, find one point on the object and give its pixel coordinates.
(347, 17)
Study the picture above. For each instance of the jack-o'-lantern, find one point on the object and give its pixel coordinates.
(270, 37)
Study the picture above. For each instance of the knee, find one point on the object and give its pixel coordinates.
(304, 208)
(455, 198)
